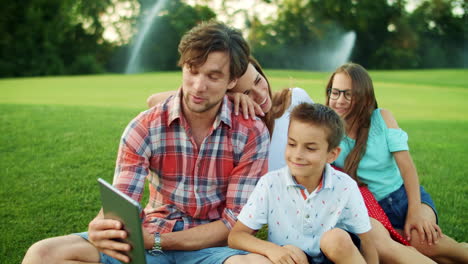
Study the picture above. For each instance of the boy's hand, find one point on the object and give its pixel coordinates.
(103, 234)
(246, 104)
(428, 231)
(287, 254)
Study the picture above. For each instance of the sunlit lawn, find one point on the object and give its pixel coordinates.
(58, 135)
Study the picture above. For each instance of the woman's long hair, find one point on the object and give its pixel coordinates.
(363, 103)
(279, 100)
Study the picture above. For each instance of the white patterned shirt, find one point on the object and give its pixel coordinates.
(299, 218)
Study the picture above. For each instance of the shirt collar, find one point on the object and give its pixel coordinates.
(175, 107)
(328, 177)
(326, 181)
(175, 110)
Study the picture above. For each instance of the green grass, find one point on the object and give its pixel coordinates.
(57, 135)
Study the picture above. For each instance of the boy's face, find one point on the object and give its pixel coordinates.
(307, 149)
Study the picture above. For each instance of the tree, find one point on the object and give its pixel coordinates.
(307, 34)
(51, 37)
(387, 36)
(160, 48)
(442, 34)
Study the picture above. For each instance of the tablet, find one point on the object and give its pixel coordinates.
(119, 206)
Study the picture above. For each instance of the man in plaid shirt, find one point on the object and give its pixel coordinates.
(201, 162)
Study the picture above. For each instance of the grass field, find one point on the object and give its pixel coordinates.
(58, 135)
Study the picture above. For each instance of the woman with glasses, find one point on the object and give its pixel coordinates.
(375, 153)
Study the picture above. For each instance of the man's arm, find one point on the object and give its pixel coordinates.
(213, 234)
(253, 164)
(130, 173)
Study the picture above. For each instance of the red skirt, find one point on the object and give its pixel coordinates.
(376, 212)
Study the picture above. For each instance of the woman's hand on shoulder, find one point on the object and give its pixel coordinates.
(389, 118)
(246, 105)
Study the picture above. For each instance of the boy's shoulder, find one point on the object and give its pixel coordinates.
(276, 178)
(278, 174)
(338, 178)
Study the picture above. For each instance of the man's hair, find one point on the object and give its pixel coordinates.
(207, 37)
(322, 116)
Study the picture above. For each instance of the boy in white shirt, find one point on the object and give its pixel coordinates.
(315, 214)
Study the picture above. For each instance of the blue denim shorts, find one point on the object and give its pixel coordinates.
(395, 206)
(214, 255)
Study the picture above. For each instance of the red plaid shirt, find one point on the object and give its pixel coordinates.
(195, 185)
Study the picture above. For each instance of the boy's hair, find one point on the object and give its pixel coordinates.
(323, 116)
(207, 37)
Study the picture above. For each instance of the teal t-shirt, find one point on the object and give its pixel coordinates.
(378, 168)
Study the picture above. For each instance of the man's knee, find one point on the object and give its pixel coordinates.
(40, 252)
(58, 249)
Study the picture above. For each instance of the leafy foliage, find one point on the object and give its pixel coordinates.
(162, 41)
(64, 37)
(45, 37)
(388, 36)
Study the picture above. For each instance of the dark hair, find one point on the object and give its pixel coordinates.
(280, 100)
(207, 37)
(363, 103)
(268, 119)
(323, 116)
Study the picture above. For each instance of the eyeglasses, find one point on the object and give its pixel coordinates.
(335, 93)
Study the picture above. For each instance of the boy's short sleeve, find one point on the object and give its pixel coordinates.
(355, 218)
(254, 213)
(397, 139)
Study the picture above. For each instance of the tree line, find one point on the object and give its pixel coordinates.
(65, 37)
